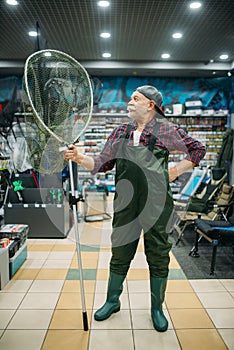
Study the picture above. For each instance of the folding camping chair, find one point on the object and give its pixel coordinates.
(213, 232)
(197, 204)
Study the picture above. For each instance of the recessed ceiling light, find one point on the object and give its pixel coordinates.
(47, 54)
(32, 33)
(106, 55)
(195, 5)
(177, 35)
(211, 61)
(229, 74)
(214, 73)
(105, 35)
(223, 57)
(103, 3)
(165, 55)
(12, 2)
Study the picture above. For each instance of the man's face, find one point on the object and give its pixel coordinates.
(139, 106)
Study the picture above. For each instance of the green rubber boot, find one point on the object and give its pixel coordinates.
(158, 288)
(112, 304)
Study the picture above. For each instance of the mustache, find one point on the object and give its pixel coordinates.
(133, 108)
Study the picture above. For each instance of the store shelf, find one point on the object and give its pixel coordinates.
(209, 129)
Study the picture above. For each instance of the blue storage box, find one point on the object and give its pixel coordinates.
(18, 259)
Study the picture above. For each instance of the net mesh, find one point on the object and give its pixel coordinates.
(58, 93)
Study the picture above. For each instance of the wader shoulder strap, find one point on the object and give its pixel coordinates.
(152, 140)
(124, 137)
(126, 134)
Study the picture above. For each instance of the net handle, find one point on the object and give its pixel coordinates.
(32, 105)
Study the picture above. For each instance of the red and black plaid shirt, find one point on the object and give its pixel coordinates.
(169, 136)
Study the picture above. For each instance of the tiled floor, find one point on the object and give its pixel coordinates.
(41, 306)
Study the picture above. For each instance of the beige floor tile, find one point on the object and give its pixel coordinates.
(73, 301)
(89, 260)
(10, 301)
(46, 241)
(71, 286)
(40, 247)
(119, 320)
(207, 286)
(69, 319)
(202, 339)
(91, 239)
(140, 248)
(222, 318)
(228, 284)
(38, 255)
(86, 264)
(60, 256)
(33, 264)
(138, 286)
(138, 274)
(22, 339)
(52, 274)
(46, 286)
(96, 225)
(151, 340)
(139, 261)
(26, 274)
(228, 337)
(64, 248)
(1, 332)
(39, 301)
(174, 265)
(181, 286)
(104, 260)
(105, 249)
(5, 317)
(88, 255)
(102, 274)
(17, 286)
(105, 241)
(141, 319)
(190, 318)
(31, 240)
(66, 339)
(57, 264)
(114, 340)
(214, 300)
(173, 262)
(31, 319)
(139, 301)
(182, 301)
(99, 300)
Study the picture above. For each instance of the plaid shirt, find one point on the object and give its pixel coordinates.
(170, 137)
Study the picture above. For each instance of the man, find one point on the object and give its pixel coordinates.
(143, 199)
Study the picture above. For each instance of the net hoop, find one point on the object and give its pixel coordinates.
(32, 104)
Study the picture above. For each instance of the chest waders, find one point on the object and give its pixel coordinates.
(143, 201)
